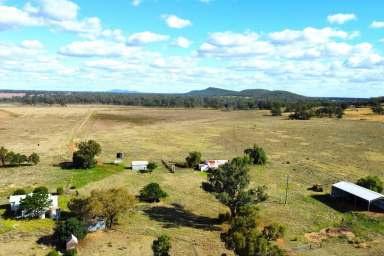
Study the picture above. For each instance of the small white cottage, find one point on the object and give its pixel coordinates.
(139, 165)
(52, 211)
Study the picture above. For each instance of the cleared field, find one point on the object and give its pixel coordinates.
(316, 151)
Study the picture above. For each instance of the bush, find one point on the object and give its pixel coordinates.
(152, 166)
(19, 191)
(161, 246)
(53, 253)
(152, 193)
(70, 226)
(194, 159)
(371, 182)
(41, 189)
(257, 155)
(273, 232)
(60, 190)
(34, 158)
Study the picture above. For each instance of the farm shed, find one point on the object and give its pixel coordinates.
(352, 192)
(52, 211)
(139, 165)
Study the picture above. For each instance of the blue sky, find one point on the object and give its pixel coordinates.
(316, 48)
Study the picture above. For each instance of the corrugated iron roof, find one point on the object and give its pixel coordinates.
(358, 191)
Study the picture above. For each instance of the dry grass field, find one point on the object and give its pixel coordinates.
(317, 151)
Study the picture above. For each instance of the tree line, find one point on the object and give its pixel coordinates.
(176, 100)
(11, 159)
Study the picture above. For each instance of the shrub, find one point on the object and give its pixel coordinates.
(60, 190)
(161, 246)
(19, 191)
(41, 189)
(152, 166)
(34, 158)
(371, 182)
(152, 193)
(194, 159)
(70, 226)
(71, 253)
(273, 232)
(257, 155)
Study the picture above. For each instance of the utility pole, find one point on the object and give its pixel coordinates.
(286, 190)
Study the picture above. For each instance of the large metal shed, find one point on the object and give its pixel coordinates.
(348, 190)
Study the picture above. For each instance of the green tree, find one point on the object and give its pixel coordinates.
(371, 182)
(84, 157)
(152, 166)
(109, 204)
(19, 192)
(34, 158)
(152, 193)
(193, 159)
(35, 205)
(161, 246)
(244, 237)
(3, 155)
(257, 155)
(276, 109)
(229, 182)
(70, 226)
(41, 189)
(377, 108)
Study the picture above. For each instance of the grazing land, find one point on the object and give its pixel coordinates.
(318, 151)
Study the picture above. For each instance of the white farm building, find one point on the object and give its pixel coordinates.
(356, 194)
(52, 211)
(139, 165)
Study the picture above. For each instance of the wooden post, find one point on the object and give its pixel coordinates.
(286, 190)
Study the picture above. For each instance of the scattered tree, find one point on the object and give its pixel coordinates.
(41, 189)
(257, 155)
(245, 239)
(19, 192)
(84, 157)
(151, 166)
(193, 159)
(3, 155)
(53, 253)
(34, 158)
(371, 182)
(109, 204)
(161, 246)
(377, 108)
(70, 226)
(276, 109)
(152, 193)
(229, 182)
(35, 205)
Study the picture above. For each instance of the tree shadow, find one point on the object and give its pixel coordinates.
(65, 165)
(345, 205)
(177, 216)
(7, 214)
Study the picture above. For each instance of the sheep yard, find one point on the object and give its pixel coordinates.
(317, 151)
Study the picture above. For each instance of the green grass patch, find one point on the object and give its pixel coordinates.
(364, 226)
(82, 177)
(10, 225)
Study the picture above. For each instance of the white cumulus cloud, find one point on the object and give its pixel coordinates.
(175, 22)
(377, 24)
(146, 38)
(182, 42)
(341, 18)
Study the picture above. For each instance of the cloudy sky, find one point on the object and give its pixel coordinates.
(316, 48)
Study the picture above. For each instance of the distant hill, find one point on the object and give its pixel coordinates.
(122, 91)
(254, 93)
